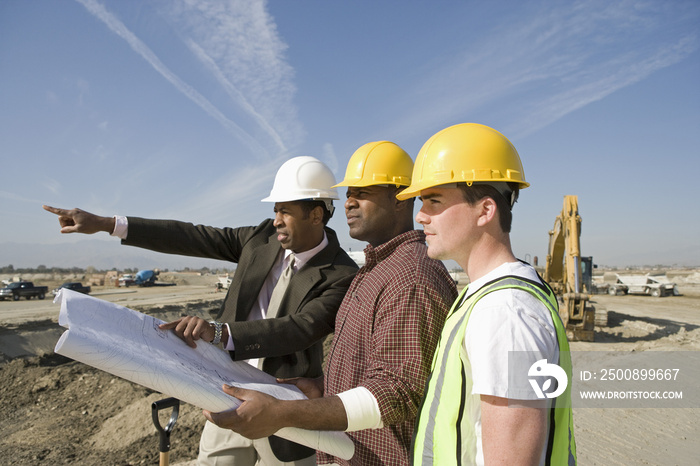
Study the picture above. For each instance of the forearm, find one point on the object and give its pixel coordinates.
(183, 238)
(260, 415)
(106, 224)
(326, 413)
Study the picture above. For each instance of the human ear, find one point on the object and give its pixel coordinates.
(488, 210)
(317, 215)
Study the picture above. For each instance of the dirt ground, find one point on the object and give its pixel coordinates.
(58, 411)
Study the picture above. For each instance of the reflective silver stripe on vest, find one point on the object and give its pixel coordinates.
(428, 441)
(440, 381)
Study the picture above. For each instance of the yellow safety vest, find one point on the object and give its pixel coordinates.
(441, 426)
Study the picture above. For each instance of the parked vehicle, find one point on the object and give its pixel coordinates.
(127, 280)
(223, 283)
(643, 284)
(16, 290)
(143, 278)
(75, 286)
(146, 277)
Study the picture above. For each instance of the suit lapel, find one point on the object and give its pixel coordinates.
(299, 287)
(255, 272)
(254, 275)
(309, 275)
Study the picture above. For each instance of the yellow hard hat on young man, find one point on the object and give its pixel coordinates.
(378, 163)
(465, 153)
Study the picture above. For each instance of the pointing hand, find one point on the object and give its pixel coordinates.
(79, 221)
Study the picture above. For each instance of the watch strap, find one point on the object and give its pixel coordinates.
(218, 331)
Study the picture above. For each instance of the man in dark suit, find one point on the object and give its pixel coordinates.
(279, 331)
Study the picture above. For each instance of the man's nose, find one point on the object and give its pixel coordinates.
(422, 218)
(350, 203)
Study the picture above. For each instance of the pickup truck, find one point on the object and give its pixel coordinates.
(16, 290)
(127, 280)
(656, 286)
(75, 286)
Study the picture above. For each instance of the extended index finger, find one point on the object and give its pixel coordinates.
(170, 325)
(55, 210)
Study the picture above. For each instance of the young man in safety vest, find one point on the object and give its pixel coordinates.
(386, 330)
(476, 410)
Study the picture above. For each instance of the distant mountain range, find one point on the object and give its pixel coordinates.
(103, 255)
(106, 255)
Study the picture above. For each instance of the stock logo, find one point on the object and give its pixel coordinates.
(542, 368)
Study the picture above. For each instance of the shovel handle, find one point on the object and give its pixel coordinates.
(164, 447)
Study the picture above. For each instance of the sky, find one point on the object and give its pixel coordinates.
(184, 109)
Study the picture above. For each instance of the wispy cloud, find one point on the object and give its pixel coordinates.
(17, 198)
(235, 94)
(624, 71)
(331, 159)
(51, 97)
(238, 43)
(238, 46)
(52, 185)
(552, 60)
(238, 193)
(116, 26)
(83, 90)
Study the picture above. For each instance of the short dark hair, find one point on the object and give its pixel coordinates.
(396, 189)
(308, 206)
(478, 191)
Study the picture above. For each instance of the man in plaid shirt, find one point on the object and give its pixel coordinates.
(386, 329)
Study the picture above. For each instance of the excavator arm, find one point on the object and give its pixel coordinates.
(563, 272)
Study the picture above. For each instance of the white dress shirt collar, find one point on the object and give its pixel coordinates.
(301, 258)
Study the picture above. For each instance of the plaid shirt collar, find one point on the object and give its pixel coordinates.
(373, 255)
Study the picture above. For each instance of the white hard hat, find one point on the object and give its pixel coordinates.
(304, 179)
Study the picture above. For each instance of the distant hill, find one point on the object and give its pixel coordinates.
(103, 255)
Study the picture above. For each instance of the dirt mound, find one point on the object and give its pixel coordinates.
(58, 411)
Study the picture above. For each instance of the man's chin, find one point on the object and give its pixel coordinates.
(355, 233)
(433, 253)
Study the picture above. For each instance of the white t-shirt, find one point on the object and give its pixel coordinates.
(501, 322)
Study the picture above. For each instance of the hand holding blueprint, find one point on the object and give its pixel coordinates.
(130, 345)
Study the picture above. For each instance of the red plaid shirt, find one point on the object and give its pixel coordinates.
(386, 332)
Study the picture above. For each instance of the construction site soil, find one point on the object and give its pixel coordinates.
(58, 411)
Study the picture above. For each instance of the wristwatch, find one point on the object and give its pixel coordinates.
(218, 326)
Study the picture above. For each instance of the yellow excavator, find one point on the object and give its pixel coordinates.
(565, 269)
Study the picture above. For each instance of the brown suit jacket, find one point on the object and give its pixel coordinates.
(291, 343)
